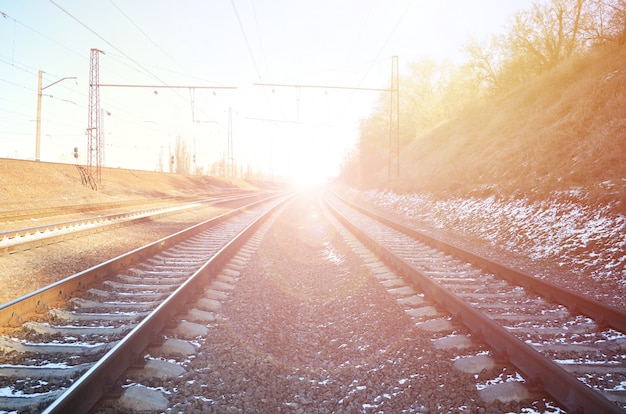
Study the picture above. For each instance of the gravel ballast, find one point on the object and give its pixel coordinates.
(308, 329)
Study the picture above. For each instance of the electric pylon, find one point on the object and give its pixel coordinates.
(93, 121)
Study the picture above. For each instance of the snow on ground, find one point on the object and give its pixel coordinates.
(587, 241)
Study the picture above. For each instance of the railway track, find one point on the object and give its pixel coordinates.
(99, 326)
(18, 240)
(9, 218)
(572, 347)
(70, 334)
(15, 216)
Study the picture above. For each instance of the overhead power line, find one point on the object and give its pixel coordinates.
(393, 31)
(245, 38)
(144, 33)
(143, 67)
(42, 35)
(165, 86)
(107, 42)
(282, 121)
(353, 88)
(394, 112)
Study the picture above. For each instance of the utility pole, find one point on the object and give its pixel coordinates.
(40, 90)
(38, 133)
(93, 118)
(394, 122)
(230, 156)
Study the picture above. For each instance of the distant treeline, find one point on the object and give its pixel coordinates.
(534, 42)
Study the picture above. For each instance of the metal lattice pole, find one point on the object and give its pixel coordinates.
(230, 168)
(394, 122)
(93, 121)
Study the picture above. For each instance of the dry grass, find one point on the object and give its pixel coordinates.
(29, 184)
(564, 131)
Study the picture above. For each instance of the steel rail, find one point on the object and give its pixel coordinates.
(114, 220)
(563, 386)
(82, 396)
(14, 312)
(7, 215)
(575, 302)
(58, 210)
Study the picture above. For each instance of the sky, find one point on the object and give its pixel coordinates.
(239, 47)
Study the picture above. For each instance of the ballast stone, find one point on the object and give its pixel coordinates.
(436, 325)
(391, 283)
(190, 329)
(474, 364)
(197, 315)
(221, 286)
(157, 368)
(226, 279)
(137, 398)
(175, 347)
(209, 305)
(423, 312)
(402, 291)
(231, 273)
(505, 392)
(215, 294)
(414, 300)
(454, 341)
(385, 275)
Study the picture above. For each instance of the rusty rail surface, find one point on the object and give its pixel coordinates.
(563, 386)
(81, 396)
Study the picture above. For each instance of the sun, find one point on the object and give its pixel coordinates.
(310, 178)
(313, 173)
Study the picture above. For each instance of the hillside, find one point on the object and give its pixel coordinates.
(536, 179)
(563, 132)
(29, 184)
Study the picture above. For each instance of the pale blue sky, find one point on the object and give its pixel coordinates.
(218, 42)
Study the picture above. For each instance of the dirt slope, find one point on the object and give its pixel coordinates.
(561, 132)
(29, 184)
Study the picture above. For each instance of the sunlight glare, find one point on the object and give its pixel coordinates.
(310, 178)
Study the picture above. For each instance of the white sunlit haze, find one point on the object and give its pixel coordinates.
(285, 102)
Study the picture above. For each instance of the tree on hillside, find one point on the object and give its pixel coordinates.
(549, 33)
(615, 28)
(542, 37)
(485, 58)
(536, 41)
(421, 95)
(182, 157)
(432, 93)
(161, 161)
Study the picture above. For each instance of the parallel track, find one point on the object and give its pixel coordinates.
(71, 339)
(12, 216)
(18, 240)
(573, 346)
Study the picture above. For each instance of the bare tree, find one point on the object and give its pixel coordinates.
(486, 60)
(182, 156)
(616, 29)
(540, 38)
(549, 33)
(432, 93)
